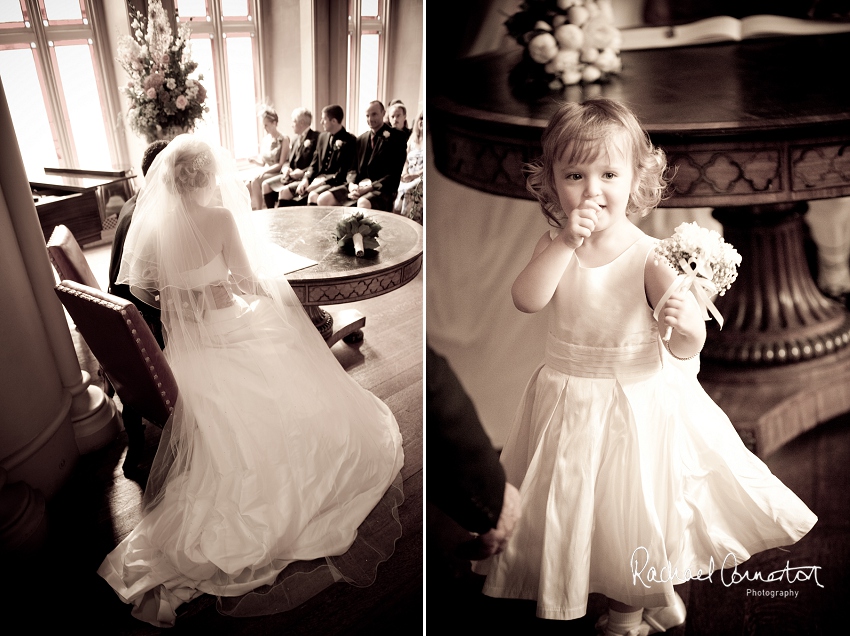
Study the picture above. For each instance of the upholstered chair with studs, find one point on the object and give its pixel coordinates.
(68, 259)
(122, 342)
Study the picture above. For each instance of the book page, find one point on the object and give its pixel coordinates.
(725, 29)
(721, 28)
(756, 26)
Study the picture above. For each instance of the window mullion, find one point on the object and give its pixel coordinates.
(357, 32)
(382, 61)
(259, 67)
(110, 100)
(67, 155)
(220, 63)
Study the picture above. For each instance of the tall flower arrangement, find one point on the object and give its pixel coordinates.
(567, 41)
(164, 100)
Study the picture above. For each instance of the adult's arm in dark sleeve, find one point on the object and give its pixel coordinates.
(464, 477)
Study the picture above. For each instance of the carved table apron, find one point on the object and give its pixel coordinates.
(339, 276)
(754, 129)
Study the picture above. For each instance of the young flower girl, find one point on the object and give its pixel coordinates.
(626, 466)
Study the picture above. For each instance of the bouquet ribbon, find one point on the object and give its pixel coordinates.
(697, 277)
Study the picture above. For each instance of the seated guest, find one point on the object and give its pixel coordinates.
(397, 117)
(334, 156)
(132, 419)
(125, 217)
(299, 158)
(274, 151)
(380, 157)
(408, 202)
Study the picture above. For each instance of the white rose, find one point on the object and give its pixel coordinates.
(558, 20)
(578, 15)
(593, 9)
(609, 62)
(569, 36)
(591, 73)
(589, 55)
(563, 61)
(571, 77)
(542, 26)
(598, 33)
(606, 9)
(542, 48)
(386, 134)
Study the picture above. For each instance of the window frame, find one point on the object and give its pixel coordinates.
(357, 27)
(89, 32)
(216, 27)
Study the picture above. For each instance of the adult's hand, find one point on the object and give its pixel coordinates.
(496, 540)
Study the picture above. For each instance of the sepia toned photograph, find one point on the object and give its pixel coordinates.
(212, 350)
(636, 317)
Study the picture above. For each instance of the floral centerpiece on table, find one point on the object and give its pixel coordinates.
(566, 41)
(164, 100)
(706, 264)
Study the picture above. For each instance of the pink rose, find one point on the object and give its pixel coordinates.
(154, 80)
(151, 93)
(181, 102)
(165, 59)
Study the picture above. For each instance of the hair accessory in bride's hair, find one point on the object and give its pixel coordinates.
(201, 160)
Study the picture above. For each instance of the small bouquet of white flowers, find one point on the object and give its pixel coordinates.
(706, 263)
(357, 230)
(571, 41)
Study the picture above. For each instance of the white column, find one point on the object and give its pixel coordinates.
(36, 329)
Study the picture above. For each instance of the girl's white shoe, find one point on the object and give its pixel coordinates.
(655, 619)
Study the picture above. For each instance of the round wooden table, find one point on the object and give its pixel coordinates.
(754, 129)
(339, 276)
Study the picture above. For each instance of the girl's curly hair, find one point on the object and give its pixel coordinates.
(578, 133)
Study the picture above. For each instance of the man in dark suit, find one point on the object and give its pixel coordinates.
(132, 419)
(125, 217)
(373, 182)
(303, 148)
(469, 482)
(335, 155)
(466, 493)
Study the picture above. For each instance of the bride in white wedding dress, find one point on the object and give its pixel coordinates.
(273, 454)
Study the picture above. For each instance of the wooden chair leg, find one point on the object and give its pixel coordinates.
(135, 438)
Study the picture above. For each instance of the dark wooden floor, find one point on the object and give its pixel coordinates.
(58, 588)
(816, 466)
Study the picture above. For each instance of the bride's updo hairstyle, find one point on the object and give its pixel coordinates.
(580, 133)
(190, 167)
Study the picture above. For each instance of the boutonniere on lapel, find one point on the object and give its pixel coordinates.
(307, 143)
(386, 134)
(339, 144)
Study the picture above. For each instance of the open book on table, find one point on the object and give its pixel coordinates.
(725, 28)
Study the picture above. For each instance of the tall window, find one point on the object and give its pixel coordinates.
(367, 44)
(225, 45)
(50, 64)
